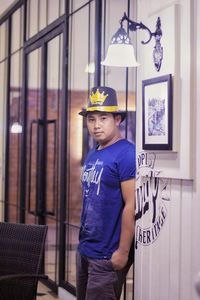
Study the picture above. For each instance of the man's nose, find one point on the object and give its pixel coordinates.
(97, 124)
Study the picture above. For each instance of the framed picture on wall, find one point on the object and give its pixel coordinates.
(157, 113)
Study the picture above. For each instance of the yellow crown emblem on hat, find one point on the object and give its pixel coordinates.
(98, 98)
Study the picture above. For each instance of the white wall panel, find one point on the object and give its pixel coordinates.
(166, 269)
(175, 24)
(186, 283)
(195, 206)
(174, 240)
(163, 269)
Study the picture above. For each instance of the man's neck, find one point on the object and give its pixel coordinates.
(113, 141)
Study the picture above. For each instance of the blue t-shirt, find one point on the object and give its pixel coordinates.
(103, 204)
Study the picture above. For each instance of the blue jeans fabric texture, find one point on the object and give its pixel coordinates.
(97, 280)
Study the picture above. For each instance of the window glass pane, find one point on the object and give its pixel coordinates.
(90, 66)
(53, 10)
(117, 77)
(124, 82)
(32, 18)
(54, 96)
(132, 71)
(33, 114)
(75, 4)
(62, 7)
(17, 30)
(81, 52)
(3, 97)
(15, 129)
(3, 40)
(42, 14)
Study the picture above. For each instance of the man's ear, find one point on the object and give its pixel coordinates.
(118, 119)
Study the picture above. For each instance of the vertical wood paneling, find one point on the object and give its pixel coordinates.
(174, 241)
(167, 268)
(186, 240)
(195, 242)
(161, 267)
(195, 245)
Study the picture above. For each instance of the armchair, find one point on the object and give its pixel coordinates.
(21, 253)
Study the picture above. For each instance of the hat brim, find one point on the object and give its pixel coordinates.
(84, 113)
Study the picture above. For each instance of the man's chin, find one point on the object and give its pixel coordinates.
(99, 141)
(98, 138)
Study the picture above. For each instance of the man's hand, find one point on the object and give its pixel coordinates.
(119, 259)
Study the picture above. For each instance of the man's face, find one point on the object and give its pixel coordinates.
(103, 127)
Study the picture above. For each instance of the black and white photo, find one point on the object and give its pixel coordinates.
(157, 113)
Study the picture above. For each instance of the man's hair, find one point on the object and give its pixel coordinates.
(117, 114)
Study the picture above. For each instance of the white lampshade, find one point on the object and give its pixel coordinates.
(120, 55)
(120, 52)
(16, 128)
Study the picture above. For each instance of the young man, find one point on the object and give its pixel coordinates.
(104, 254)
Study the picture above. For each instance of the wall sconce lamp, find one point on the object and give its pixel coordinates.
(121, 52)
(16, 128)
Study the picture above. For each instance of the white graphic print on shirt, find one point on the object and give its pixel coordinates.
(92, 175)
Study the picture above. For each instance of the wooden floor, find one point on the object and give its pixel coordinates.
(44, 293)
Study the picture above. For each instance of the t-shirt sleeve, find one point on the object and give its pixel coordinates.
(126, 162)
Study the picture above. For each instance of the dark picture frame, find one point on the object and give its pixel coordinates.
(157, 113)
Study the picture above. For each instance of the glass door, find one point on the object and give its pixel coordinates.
(43, 140)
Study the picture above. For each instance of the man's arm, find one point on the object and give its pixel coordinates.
(120, 256)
